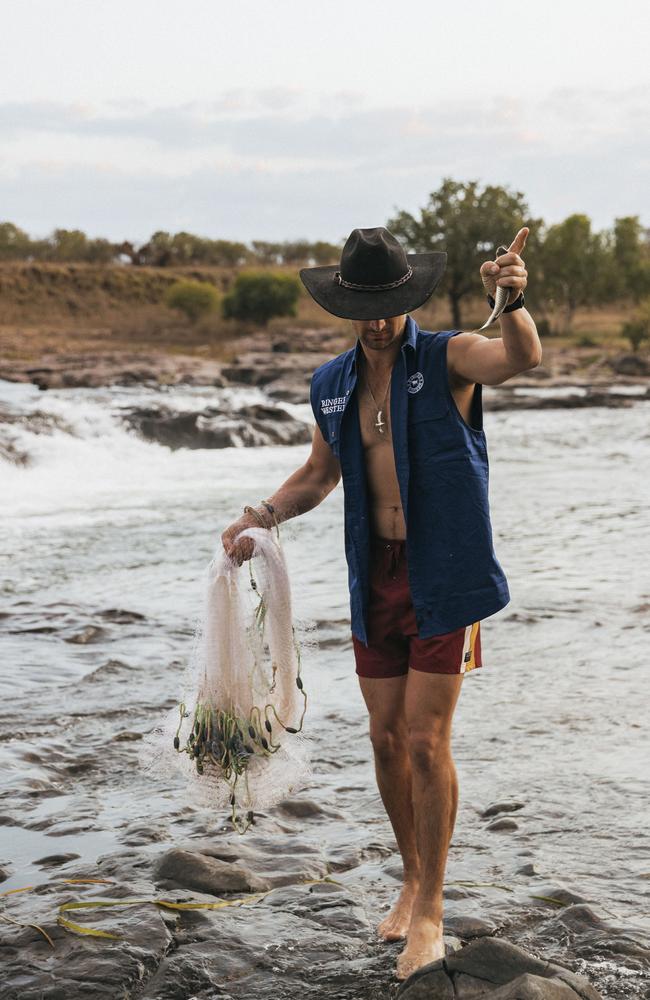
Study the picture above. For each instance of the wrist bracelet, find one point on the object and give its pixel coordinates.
(256, 514)
(517, 304)
(271, 509)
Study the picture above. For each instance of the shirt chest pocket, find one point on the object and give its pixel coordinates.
(432, 430)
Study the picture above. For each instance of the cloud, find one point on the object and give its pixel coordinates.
(264, 163)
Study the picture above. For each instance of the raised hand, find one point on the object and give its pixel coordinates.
(508, 269)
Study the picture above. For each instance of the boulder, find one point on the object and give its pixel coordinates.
(630, 364)
(192, 870)
(250, 426)
(497, 969)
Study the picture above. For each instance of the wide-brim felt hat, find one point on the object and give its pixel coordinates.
(376, 278)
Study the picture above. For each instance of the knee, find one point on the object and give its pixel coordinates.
(388, 742)
(429, 749)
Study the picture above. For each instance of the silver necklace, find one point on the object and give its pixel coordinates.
(379, 423)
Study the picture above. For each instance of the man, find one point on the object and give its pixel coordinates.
(399, 417)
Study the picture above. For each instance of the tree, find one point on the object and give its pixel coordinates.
(158, 251)
(194, 298)
(325, 253)
(575, 265)
(259, 296)
(69, 245)
(631, 254)
(637, 329)
(14, 243)
(469, 225)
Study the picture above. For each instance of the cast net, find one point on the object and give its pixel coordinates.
(237, 734)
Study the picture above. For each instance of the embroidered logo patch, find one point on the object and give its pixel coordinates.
(415, 382)
(333, 405)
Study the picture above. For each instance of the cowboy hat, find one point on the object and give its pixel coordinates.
(376, 278)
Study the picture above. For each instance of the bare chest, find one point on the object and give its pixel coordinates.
(374, 418)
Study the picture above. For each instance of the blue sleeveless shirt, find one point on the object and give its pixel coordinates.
(441, 462)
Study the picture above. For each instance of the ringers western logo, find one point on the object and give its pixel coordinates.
(334, 405)
(415, 382)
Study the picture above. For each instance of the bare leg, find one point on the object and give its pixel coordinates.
(429, 704)
(389, 737)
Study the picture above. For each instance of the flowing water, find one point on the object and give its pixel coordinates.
(104, 540)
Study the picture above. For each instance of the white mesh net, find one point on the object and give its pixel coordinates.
(237, 733)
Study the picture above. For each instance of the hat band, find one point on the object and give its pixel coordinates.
(373, 288)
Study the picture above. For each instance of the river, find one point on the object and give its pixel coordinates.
(104, 542)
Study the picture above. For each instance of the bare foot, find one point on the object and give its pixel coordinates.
(396, 924)
(424, 945)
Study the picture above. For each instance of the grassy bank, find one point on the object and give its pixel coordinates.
(85, 308)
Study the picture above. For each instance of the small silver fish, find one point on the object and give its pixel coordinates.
(500, 299)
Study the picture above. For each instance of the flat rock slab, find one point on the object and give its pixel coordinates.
(192, 870)
(495, 968)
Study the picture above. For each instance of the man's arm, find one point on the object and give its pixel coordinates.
(476, 358)
(472, 357)
(304, 489)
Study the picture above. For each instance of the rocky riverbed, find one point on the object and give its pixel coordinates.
(283, 363)
(104, 538)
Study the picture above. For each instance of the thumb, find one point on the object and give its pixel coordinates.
(519, 241)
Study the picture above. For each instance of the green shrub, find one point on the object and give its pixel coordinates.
(194, 298)
(259, 296)
(637, 329)
(585, 340)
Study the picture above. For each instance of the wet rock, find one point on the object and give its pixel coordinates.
(54, 860)
(332, 906)
(502, 807)
(580, 985)
(429, 985)
(395, 869)
(127, 736)
(67, 370)
(594, 397)
(81, 966)
(138, 835)
(529, 869)
(503, 824)
(302, 808)
(578, 917)
(288, 389)
(560, 893)
(121, 617)
(250, 426)
(495, 968)
(255, 953)
(528, 987)
(4, 874)
(453, 892)
(630, 364)
(204, 874)
(278, 862)
(262, 367)
(92, 633)
(467, 926)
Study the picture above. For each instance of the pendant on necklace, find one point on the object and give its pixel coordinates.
(380, 423)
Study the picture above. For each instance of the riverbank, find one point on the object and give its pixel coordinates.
(280, 360)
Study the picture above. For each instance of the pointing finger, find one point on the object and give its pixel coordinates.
(519, 241)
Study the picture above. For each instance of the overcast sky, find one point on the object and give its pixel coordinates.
(249, 119)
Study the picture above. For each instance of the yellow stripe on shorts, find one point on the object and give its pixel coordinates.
(469, 647)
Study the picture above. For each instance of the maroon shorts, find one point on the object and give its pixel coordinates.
(393, 642)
